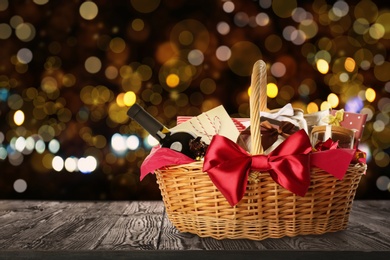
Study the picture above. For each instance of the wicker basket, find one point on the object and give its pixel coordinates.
(267, 210)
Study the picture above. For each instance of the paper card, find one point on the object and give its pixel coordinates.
(210, 123)
(240, 123)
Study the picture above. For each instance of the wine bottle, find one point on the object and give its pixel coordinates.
(178, 141)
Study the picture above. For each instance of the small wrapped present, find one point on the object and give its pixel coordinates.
(352, 121)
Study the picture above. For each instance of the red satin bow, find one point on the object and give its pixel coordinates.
(228, 165)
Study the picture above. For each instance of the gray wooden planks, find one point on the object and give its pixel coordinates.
(367, 231)
(137, 228)
(80, 225)
(128, 226)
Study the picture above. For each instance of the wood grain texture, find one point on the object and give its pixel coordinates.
(50, 226)
(138, 227)
(364, 233)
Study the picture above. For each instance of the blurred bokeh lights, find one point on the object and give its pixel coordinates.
(70, 69)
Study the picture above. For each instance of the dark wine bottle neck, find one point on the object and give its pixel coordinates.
(148, 122)
(181, 141)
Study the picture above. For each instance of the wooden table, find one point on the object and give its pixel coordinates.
(141, 230)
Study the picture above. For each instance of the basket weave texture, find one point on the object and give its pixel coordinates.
(267, 210)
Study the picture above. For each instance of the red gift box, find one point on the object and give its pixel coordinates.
(353, 121)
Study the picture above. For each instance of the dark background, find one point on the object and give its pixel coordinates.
(45, 73)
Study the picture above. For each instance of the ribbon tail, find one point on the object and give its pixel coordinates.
(335, 162)
(232, 185)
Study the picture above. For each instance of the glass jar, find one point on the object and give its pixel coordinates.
(344, 136)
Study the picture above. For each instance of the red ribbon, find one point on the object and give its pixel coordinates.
(332, 159)
(327, 145)
(228, 165)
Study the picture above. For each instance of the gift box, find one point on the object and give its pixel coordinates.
(353, 121)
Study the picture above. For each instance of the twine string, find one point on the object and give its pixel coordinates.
(201, 130)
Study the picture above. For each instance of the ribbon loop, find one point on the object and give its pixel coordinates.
(334, 119)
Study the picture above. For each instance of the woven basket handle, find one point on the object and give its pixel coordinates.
(257, 103)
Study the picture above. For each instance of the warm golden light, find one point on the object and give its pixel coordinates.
(312, 107)
(350, 64)
(88, 10)
(129, 98)
(325, 106)
(322, 66)
(138, 25)
(93, 64)
(333, 100)
(19, 117)
(120, 99)
(370, 95)
(272, 90)
(117, 45)
(172, 80)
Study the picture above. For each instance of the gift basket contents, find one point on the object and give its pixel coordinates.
(278, 173)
